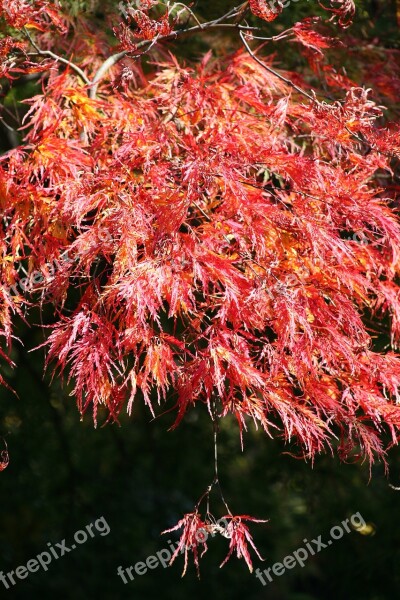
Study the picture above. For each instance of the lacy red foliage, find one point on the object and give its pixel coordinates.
(216, 250)
(38, 14)
(240, 537)
(306, 34)
(265, 9)
(344, 10)
(196, 531)
(229, 237)
(141, 25)
(193, 536)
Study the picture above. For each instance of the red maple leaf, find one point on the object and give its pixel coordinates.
(265, 9)
(240, 537)
(193, 536)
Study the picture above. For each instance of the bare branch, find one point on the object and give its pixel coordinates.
(107, 64)
(186, 9)
(270, 70)
(115, 58)
(65, 61)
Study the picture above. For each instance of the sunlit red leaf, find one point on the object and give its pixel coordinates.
(265, 9)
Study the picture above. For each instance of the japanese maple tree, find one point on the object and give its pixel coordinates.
(216, 232)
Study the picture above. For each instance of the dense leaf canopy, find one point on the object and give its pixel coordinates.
(218, 231)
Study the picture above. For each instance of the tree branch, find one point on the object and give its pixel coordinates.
(270, 70)
(115, 58)
(65, 61)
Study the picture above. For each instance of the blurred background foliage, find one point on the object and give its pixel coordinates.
(64, 474)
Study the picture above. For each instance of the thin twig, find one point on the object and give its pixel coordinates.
(216, 474)
(187, 9)
(270, 70)
(65, 61)
(115, 58)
